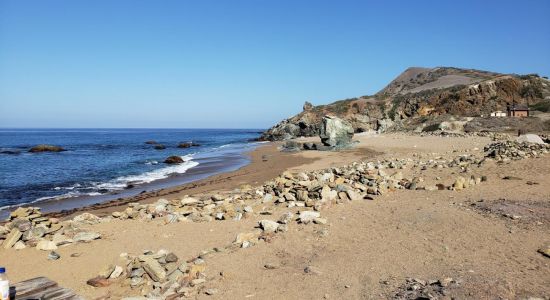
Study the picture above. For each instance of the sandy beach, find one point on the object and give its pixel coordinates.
(485, 238)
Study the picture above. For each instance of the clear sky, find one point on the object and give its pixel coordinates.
(240, 64)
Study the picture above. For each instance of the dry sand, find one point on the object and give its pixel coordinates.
(368, 248)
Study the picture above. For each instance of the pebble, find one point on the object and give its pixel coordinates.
(211, 292)
(312, 270)
(54, 256)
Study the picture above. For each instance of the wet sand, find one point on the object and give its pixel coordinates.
(266, 162)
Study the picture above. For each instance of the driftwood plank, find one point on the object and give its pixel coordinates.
(42, 288)
(33, 286)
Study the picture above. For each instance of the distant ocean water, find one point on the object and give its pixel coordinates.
(101, 163)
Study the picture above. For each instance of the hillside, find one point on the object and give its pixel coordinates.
(418, 97)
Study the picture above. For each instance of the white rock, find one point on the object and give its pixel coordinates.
(116, 272)
(46, 245)
(308, 216)
(188, 201)
(530, 138)
(269, 226)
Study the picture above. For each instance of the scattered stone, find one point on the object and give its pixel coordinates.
(12, 238)
(269, 226)
(19, 245)
(86, 236)
(54, 256)
(211, 292)
(98, 282)
(154, 269)
(545, 251)
(312, 270)
(271, 266)
(116, 272)
(46, 245)
(308, 216)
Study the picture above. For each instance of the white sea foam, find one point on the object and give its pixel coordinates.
(147, 177)
(119, 183)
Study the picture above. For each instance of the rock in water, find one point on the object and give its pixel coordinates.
(335, 132)
(530, 138)
(173, 160)
(46, 148)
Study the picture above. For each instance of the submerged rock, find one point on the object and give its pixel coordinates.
(46, 148)
(174, 159)
(188, 145)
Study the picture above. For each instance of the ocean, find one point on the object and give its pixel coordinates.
(104, 164)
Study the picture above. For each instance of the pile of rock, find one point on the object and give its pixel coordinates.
(26, 227)
(205, 209)
(495, 136)
(314, 189)
(513, 150)
(160, 275)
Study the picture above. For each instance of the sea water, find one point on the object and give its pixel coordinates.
(102, 164)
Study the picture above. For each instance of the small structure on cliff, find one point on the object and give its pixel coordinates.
(518, 110)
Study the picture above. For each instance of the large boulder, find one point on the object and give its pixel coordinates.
(335, 132)
(530, 138)
(46, 148)
(174, 160)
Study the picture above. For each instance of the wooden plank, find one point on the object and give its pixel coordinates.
(57, 293)
(33, 286)
(41, 288)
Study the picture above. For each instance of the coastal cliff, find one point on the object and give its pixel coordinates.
(421, 97)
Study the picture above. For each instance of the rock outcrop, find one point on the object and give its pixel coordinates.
(174, 159)
(335, 132)
(420, 96)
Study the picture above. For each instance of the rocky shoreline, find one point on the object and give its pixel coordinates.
(289, 199)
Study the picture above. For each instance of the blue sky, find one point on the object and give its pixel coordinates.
(240, 64)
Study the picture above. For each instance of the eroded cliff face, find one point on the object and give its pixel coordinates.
(420, 93)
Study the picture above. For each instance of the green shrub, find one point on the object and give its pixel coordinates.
(543, 106)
